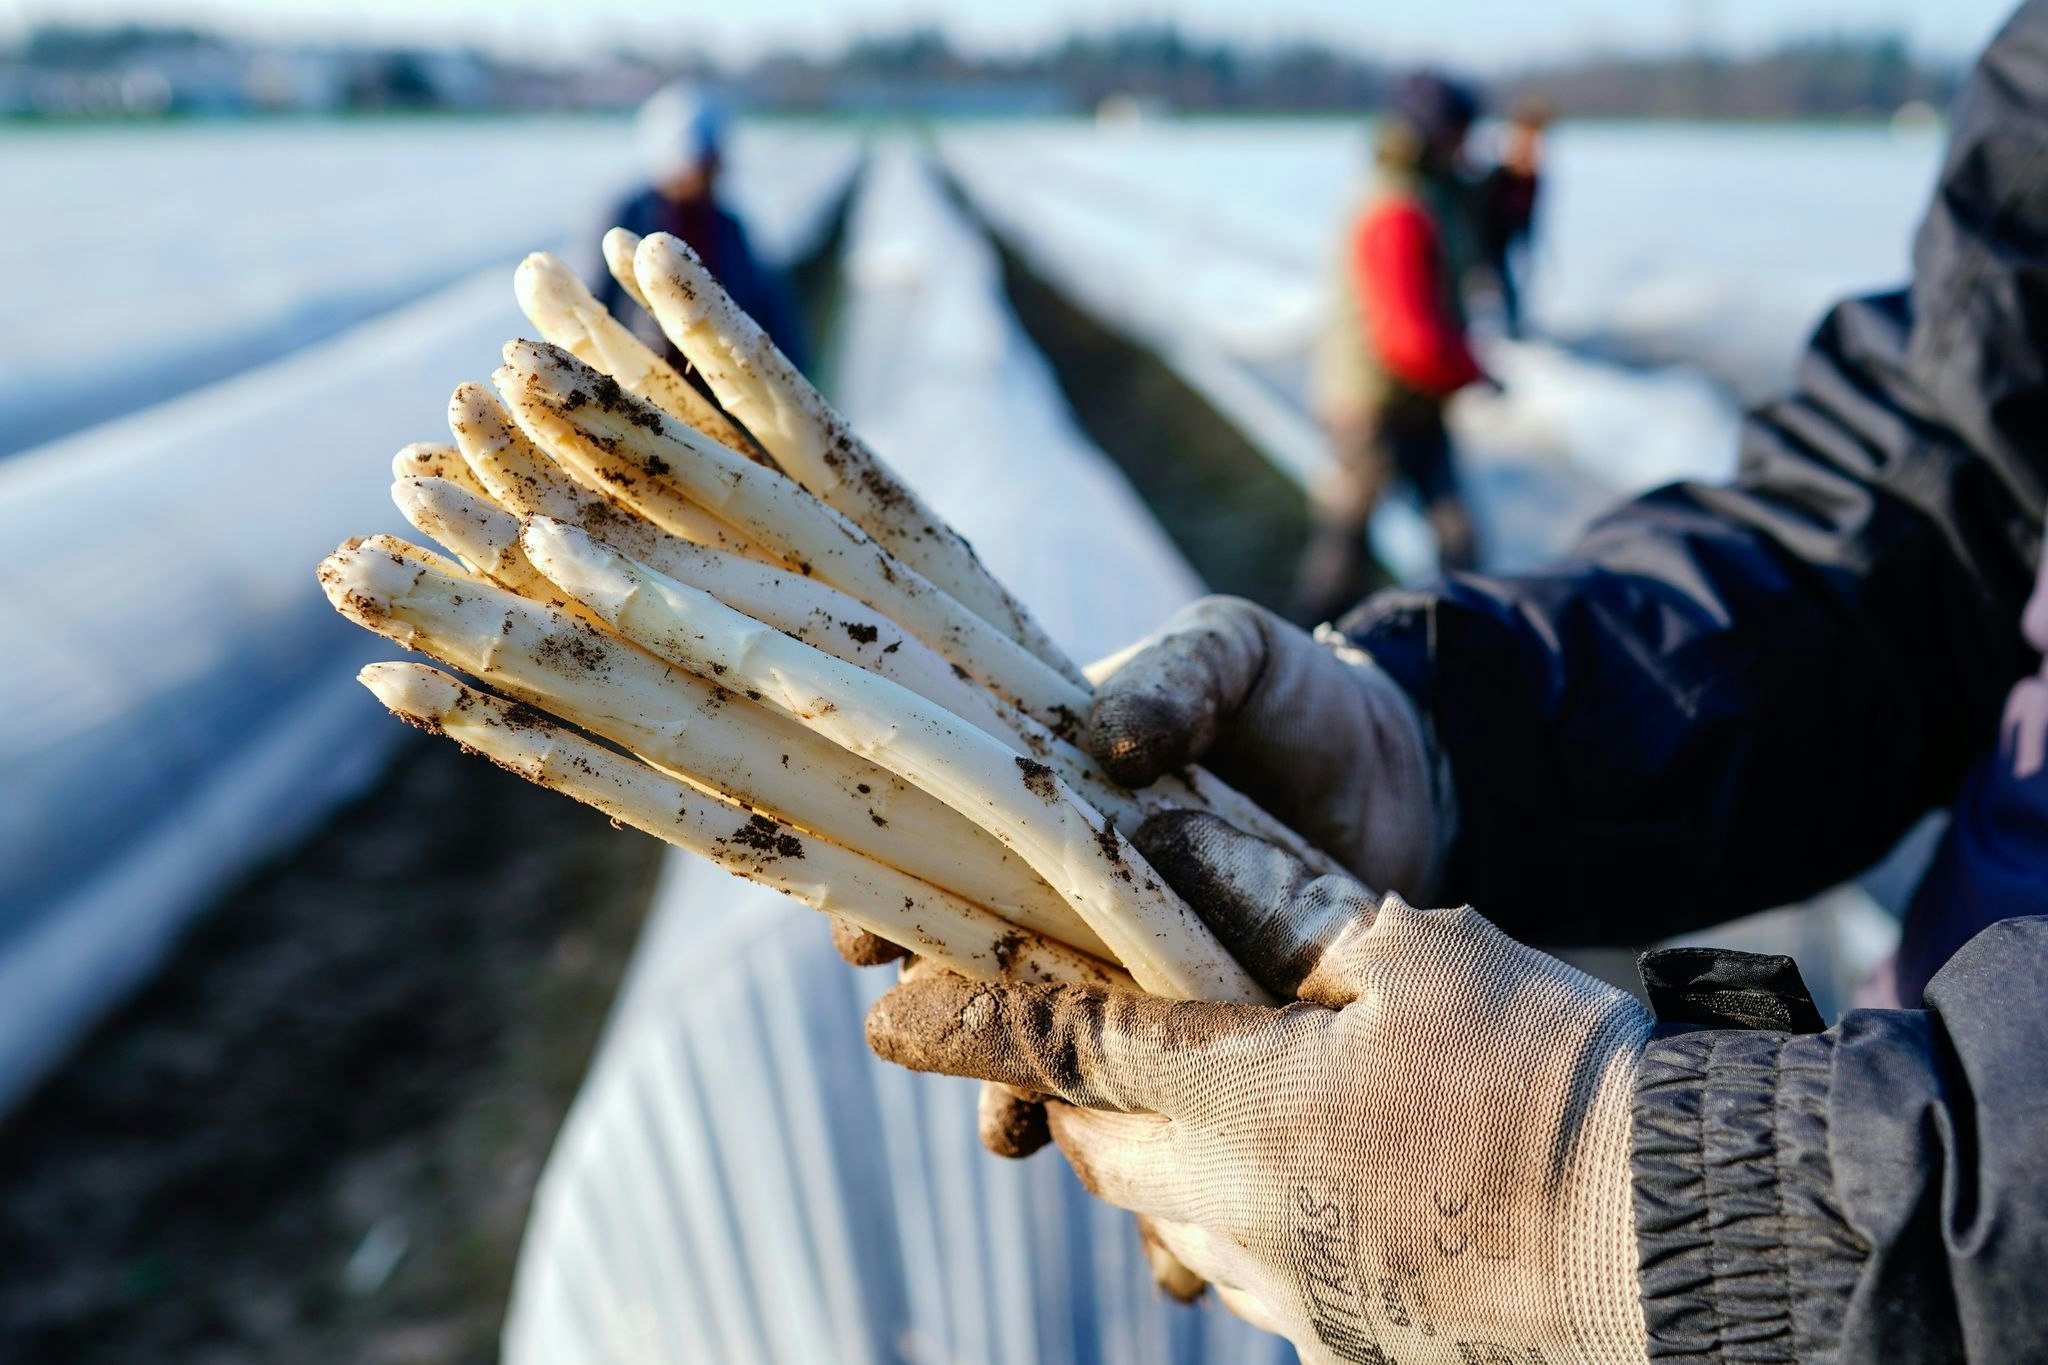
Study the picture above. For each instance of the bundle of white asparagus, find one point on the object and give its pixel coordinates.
(732, 626)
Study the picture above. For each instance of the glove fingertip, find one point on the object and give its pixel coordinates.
(1181, 1284)
(1137, 735)
(861, 948)
(1012, 1124)
(935, 1022)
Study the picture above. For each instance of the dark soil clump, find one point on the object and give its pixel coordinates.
(1039, 779)
(764, 835)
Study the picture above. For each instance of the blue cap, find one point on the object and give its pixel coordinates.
(1436, 107)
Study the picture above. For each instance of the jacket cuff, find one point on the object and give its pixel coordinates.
(1744, 1252)
(1397, 626)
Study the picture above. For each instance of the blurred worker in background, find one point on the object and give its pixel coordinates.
(1393, 348)
(680, 134)
(1451, 1146)
(1506, 208)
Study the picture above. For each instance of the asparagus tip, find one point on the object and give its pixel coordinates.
(670, 272)
(469, 405)
(541, 280)
(414, 692)
(364, 577)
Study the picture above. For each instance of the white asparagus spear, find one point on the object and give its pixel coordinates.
(648, 460)
(524, 481)
(814, 444)
(517, 474)
(690, 728)
(556, 302)
(619, 246)
(418, 554)
(433, 460)
(825, 618)
(960, 936)
(1148, 929)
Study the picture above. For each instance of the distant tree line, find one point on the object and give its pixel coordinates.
(1828, 77)
(131, 69)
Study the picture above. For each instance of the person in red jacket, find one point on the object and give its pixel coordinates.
(1395, 348)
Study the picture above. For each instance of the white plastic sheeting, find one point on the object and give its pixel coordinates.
(177, 700)
(741, 1180)
(140, 262)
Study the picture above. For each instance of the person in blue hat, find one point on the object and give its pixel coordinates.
(680, 134)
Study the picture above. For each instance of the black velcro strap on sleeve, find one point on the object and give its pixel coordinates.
(1721, 988)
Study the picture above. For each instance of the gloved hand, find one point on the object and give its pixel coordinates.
(860, 948)
(1311, 729)
(1009, 1122)
(1429, 1159)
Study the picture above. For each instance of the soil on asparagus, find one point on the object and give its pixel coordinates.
(315, 1136)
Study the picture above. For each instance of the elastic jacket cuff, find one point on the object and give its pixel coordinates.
(1744, 1251)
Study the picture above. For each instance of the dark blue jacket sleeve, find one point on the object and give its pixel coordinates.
(1876, 1193)
(1730, 697)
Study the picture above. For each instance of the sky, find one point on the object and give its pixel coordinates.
(1473, 33)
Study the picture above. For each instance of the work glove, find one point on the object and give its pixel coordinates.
(1310, 728)
(1426, 1158)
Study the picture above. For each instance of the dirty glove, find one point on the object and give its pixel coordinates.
(1427, 1161)
(1311, 729)
(1009, 1122)
(861, 947)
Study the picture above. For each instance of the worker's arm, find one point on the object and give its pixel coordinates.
(1738, 695)
(1874, 1192)
(1398, 260)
